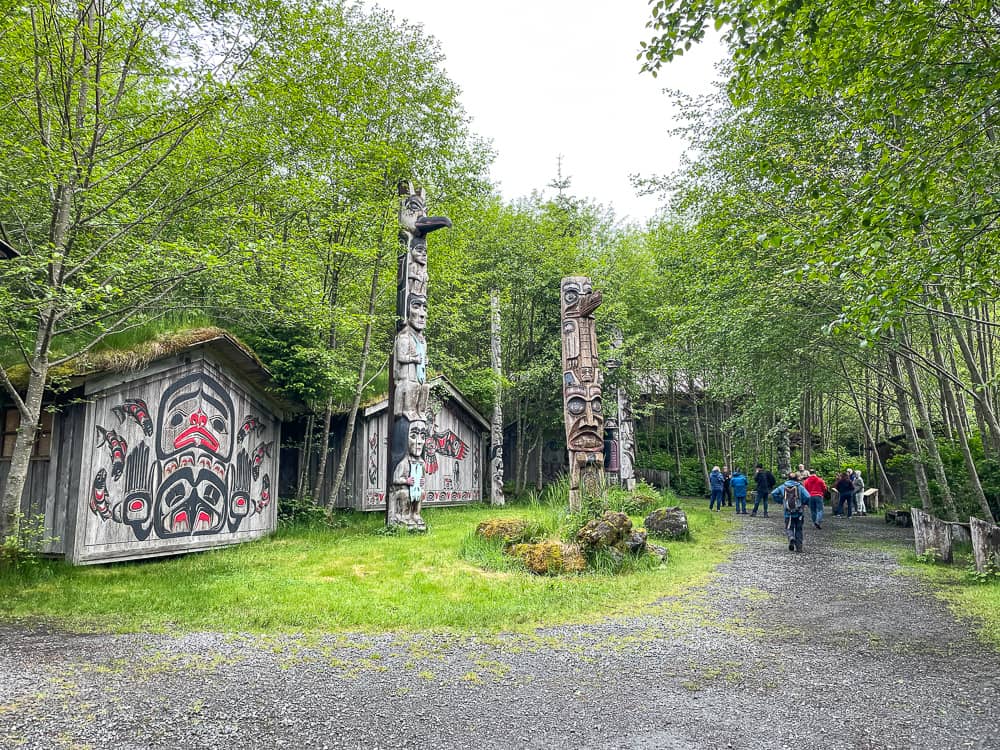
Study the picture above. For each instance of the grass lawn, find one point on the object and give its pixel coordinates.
(966, 596)
(352, 578)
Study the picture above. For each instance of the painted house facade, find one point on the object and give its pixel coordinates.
(455, 454)
(178, 455)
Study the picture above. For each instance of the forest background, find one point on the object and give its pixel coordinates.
(820, 286)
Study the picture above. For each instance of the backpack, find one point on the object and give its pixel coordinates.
(791, 499)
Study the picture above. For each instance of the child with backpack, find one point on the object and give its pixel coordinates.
(793, 498)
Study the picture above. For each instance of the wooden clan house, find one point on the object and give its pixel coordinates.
(454, 455)
(172, 450)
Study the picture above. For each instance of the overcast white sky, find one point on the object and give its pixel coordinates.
(542, 78)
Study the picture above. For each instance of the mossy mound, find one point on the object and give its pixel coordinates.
(550, 557)
(607, 531)
(507, 530)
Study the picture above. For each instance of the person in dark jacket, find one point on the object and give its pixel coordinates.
(793, 488)
(845, 487)
(715, 483)
(727, 487)
(764, 481)
(740, 484)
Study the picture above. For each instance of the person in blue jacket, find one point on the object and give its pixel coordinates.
(740, 484)
(715, 483)
(794, 499)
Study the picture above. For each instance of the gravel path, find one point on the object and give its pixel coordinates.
(827, 649)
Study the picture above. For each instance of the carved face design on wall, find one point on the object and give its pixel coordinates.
(191, 501)
(416, 313)
(578, 298)
(416, 438)
(196, 414)
(584, 418)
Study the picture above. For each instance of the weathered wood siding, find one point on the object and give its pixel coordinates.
(454, 459)
(169, 463)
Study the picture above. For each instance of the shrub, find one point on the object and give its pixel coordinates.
(23, 551)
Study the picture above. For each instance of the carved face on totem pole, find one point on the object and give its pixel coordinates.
(416, 313)
(584, 412)
(581, 376)
(416, 439)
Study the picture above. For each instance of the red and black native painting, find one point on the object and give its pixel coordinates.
(190, 471)
(443, 443)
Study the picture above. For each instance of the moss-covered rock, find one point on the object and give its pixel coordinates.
(667, 522)
(550, 557)
(658, 552)
(605, 532)
(507, 530)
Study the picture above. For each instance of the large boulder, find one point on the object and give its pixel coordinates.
(605, 532)
(667, 522)
(550, 557)
(507, 530)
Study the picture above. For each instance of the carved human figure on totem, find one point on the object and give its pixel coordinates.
(408, 490)
(582, 387)
(410, 363)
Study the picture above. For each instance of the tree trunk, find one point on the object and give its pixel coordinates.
(324, 453)
(538, 461)
(783, 448)
(24, 443)
(305, 459)
(984, 411)
(697, 434)
(519, 453)
(331, 344)
(352, 415)
(930, 439)
(871, 441)
(496, 425)
(903, 405)
(951, 405)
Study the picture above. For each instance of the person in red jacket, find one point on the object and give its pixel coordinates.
(815, 486)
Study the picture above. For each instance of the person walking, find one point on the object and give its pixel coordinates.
(816, 488)
(793, 498)
(801, 473)
(727, 488)
(739, 484)
(764, 481)
(715, 482)
(859, 494)
(845, 487)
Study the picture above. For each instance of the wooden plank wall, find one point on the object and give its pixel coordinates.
(193, 469)
(454, 473)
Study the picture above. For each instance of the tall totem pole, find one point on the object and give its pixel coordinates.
(496, 425)
(408, 388)
(581, 389)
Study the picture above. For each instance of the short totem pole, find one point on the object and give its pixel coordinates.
(408, 388)
(582, 389)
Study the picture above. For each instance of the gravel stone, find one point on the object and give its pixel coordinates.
(828, 649)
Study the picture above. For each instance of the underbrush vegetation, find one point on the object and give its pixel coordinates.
(310, 576)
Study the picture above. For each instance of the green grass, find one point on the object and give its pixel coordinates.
(966, 596)
(316, 579)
